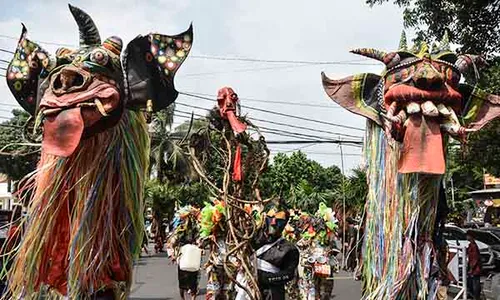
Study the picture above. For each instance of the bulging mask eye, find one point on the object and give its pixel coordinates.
(99, 56)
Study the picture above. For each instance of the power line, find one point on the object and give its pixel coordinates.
(303, 62)
(243, 70)
(281, 124)
(229, 58)
(280, 114)
(7, 51)
(271, 130)
(291, 134)
(265, 129)
(39, 42)
(274, 101)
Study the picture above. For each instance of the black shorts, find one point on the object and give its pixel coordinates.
(188, 280)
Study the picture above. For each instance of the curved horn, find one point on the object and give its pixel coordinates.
(371, 53)
(469, 62)
(89, 35)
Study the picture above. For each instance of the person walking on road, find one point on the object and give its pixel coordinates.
(351, 243)
(474, 267)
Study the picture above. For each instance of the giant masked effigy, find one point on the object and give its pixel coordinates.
(230, 154)
(85, 214)
(413, 108)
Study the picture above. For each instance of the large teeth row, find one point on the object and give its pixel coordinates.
(428, 109)
(412, 108)
(444, 110)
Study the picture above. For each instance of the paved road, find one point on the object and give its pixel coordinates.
(156, 279)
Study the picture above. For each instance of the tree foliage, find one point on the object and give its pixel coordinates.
(474, 24)
(483, 148)
(287, 172)
(164, 198)
(304, 183)
(16, 160)
(356, 190)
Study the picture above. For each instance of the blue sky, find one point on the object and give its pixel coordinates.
(316, 30)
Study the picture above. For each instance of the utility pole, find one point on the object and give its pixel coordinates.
(343, 205)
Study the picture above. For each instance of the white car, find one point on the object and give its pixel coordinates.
(456, 236)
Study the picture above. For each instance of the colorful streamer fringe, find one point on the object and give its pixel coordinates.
(85, 217)
(400, 215)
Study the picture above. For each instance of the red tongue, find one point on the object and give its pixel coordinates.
(62, 133)
(422, 147)
(236, 125)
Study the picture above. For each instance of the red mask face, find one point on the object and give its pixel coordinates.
(421, 96)
(418, 100)
(227, 100)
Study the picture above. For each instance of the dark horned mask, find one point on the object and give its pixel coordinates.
(79, 93)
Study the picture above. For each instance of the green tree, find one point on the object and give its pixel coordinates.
(303, 182)
(356, 190)
(307, 197)
(474, 24)
(483, 147)
(165, 198)
(16, 160)
(288, 171)
(175, 182)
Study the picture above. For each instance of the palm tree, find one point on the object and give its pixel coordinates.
(167, 160)
(169, 165)
(307, 197)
